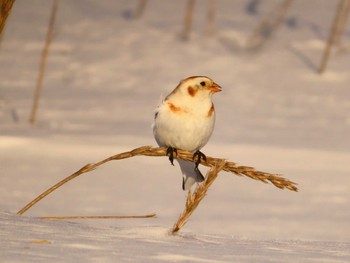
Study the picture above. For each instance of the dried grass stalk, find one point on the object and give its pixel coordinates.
(94, 217)
(211, 17)
(193, 199)
(188, 19)
(141, 5)
(232, 167)
(44, 55)
(333, 34)
(342, 23)
(5, 10)
(268, 25)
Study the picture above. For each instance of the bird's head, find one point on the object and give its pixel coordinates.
(198, 87)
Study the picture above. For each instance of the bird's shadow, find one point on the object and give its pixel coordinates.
(304, 58)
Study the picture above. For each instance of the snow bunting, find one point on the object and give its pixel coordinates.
(185, 120)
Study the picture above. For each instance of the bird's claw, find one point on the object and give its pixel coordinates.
(170, 151)
(200, 156)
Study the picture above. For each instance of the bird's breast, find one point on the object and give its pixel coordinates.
(184, 128)
(197, 112)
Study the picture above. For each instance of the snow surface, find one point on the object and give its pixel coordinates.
(106, 73)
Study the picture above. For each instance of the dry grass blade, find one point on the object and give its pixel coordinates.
(44, 55)
(193, 199)
(342, 23)
(333, 35)
(141, 5)
(188, 19)
(94, 217)
(211, 17)
(276, 180)
(5, 9)
(268, 25)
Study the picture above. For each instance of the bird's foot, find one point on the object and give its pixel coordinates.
(170, 152)
(200, 156)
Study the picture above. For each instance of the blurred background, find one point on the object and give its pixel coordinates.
(110, 63)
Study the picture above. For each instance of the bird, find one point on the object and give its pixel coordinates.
(185, 120)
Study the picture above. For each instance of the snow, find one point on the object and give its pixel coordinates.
(106, 72)
(77, 242)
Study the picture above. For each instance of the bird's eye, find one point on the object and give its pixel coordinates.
(203, 83)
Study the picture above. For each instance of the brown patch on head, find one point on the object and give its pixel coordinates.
(192, 91)
(211, 111)
(194, 77)
(173, 108)
(191, 77)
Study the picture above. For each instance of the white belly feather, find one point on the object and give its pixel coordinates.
(186, 130)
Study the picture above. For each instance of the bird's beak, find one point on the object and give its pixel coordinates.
(215, 87)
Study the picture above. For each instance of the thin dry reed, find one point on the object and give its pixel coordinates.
(335, 33)
(42, 67)
(342, 23)
(188, 19)
(5, 9)
(211, 17)
(94, 217)
(232, 167)
(268, 25)
(193, 199)
(141, 5)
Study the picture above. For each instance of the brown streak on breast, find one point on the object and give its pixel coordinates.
(191, 91)
(173, 108)
(211, 111)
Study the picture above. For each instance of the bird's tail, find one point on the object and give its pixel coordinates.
(190, 174)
